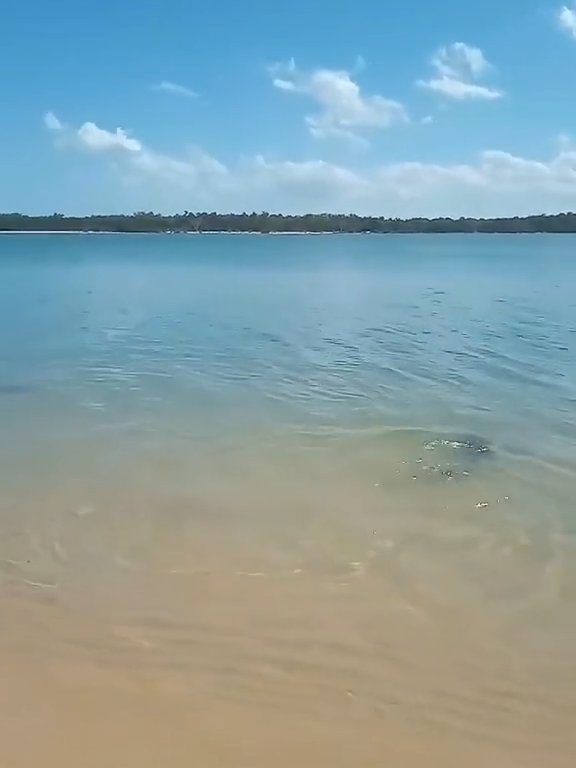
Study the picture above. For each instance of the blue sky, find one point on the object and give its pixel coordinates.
(388, 108)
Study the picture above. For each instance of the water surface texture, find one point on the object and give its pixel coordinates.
(287, 500)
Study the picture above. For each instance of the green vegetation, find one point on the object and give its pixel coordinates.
(267, 222)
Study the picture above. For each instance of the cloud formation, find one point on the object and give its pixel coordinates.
(178, 90)
(91, 137)
(343, 109)
(194, 170)
(567, 20)
(98, 139)
(495, 183)
(458, 70)
(51, 122)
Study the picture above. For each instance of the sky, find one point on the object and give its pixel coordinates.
(379, 107)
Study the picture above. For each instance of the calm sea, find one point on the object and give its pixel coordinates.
(318, 491)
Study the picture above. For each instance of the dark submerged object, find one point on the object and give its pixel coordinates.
(462, 445)
(454, 456)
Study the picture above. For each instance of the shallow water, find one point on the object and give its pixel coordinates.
(287, 500)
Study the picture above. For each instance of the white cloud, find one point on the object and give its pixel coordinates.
(496, 175)
(284, 85)
(192, 170)
(309, 180)
(456, 89)
(495, 183)
(179, 90)
(567, 20)
(344, 110)
(98, 139)
(460, 61)
(91, 137)
(195, 170)
(459, 67)
(51, 122)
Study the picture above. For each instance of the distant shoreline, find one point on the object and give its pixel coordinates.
(202, 223)
(16, 232)
(264, 223)
(162, 232)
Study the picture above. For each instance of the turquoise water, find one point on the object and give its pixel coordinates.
(393, 411)
(201, 338)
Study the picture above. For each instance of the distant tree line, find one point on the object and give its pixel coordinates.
(147, 221)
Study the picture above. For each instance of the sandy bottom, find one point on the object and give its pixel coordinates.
(303, 615)
(262, 671)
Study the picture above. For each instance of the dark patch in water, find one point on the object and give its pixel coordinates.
(461, 445)
(14, 389)
(455, 456)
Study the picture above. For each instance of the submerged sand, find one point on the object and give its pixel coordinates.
(289, 613)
